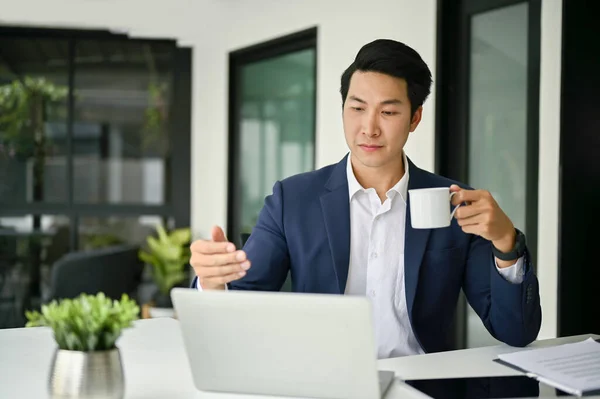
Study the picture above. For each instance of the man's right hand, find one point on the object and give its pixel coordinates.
(216, 262)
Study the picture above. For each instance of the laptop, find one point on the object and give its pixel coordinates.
(280, 343)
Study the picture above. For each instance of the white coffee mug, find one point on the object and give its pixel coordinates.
(430, 207)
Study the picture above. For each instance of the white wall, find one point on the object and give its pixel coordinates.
(549, 173)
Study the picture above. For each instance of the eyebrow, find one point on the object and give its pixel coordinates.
(386, 102)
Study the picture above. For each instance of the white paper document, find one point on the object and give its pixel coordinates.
(573, 368)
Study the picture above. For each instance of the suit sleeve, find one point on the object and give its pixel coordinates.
(510, 312)
(266, 248)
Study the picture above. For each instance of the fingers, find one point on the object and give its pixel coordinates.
(463, 195)
(471, 220)
(216, 259)
(224, 270)
(482, 216)
(470, 215)
(467, 211)
(218, 234)
(220, 280)
(211, 247)
(481, 224)
(216, 269)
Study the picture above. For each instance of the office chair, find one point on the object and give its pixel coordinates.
(114, 271)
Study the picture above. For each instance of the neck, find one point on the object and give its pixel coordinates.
(382, 178)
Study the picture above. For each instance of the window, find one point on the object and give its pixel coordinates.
(272, 122)
(121, 113)
(34, 91)
(94, 139)
(487, 114)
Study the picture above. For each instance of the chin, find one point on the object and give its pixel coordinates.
(371, 162)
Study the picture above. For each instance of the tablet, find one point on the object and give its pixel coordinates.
(484, 387)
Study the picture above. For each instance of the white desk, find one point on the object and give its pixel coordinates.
(475, 362)
(156, 365)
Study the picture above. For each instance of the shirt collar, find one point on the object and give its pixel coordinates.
(401, 187)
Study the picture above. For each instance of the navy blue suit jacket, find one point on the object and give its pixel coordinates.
(304, 228)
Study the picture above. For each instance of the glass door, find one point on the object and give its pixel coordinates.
(272, 123)
(498, 119)
(488, 130)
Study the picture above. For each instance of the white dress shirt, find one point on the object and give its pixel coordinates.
(377, 263)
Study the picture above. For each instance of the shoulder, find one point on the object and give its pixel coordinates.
(301, 191)
(442, 181)
(318, 177)
(434, 180)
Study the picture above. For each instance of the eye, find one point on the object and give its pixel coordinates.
(389, 113)
(357, 108)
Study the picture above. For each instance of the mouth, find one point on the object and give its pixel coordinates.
(370, 147)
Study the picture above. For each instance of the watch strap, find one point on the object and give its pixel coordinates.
(517, 251)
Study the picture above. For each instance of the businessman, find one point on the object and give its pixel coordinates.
(346, 229)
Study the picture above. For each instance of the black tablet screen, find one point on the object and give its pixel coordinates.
(484, 387)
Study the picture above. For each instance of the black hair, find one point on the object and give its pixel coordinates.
(395, 59)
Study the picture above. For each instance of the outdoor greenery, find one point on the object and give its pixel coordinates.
(25, 105)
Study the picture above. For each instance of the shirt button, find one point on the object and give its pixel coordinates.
(372, 293)
(374, 255)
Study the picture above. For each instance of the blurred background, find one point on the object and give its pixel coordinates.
(116, 117)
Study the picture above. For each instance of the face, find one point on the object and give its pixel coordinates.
(377, 119)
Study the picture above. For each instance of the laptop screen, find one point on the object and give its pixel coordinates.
(484, 387)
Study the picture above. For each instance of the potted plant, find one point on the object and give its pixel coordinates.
(87, 362)
(168, 255)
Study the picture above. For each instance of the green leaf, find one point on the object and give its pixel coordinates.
(162, 234)
(180, 236)
(165, 250)
(86, 323)
(169, 256)
(172, 279)
(147, 257)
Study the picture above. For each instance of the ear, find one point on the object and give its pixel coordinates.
(416, 119)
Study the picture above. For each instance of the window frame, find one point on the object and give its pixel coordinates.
(303, 40)
(178, 200)
(452, 109)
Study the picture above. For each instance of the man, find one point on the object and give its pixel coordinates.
(345, 228)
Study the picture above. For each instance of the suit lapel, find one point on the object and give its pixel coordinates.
(336, 213)
(415, 240)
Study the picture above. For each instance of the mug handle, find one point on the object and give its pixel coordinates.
(456, 207)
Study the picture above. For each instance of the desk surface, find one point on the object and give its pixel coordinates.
(476, 362)
(156, 365)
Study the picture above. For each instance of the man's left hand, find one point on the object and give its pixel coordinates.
(482, 216)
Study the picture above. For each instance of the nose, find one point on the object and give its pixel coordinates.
(370, 125)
